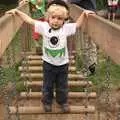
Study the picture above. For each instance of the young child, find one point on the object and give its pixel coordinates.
(55, 52)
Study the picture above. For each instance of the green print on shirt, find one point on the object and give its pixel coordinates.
(55, 53)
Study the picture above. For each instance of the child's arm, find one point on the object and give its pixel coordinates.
(82, 17)
(22, 15)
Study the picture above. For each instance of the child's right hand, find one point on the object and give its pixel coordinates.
(13, 11)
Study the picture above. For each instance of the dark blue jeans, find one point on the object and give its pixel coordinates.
(55, 77)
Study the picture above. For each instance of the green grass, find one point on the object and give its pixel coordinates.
(101, 76)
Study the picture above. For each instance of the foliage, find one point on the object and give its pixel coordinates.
(101, 4)
(100, 79)
(9, 74)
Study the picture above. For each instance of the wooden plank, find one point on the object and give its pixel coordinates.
(39, 62)
(70, 95)
(40, 68)
(39, 110)
(105, 33)
(9, 25)
(70, 83)
(40, 76)
(38, 57)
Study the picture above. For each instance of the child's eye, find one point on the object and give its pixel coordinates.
(60, 18)
(53, 17)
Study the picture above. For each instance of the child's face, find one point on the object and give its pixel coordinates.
(56, 21)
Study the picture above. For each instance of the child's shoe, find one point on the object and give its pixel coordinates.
(47, 107)
(65, 108)
(92, 69)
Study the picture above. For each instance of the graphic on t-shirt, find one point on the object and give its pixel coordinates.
(54, 41)
(55, 53)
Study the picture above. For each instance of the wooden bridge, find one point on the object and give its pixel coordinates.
(26, 104)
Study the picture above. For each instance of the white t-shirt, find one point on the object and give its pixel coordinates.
(55, 49)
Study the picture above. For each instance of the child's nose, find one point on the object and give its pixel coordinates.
(56, 19)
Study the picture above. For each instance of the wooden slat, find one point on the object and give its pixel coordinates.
(40, 76)
(39, 110)
(40, 68)
(34, 53)
(70, 95)
(39, 62)
(70, 83)
(37, 57)
(32, 62)
(105, 33)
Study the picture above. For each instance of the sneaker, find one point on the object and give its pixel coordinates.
(65, 108)
(92, 69)
(47, 107)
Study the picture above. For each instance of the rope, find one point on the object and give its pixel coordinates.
(107, 86)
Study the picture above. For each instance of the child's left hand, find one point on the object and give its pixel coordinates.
(87, 12)
(23, 2)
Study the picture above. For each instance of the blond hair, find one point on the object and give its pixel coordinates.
(58, 10)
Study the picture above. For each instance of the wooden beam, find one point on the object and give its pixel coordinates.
(70, 95)
(40, 76)
(38, 57)
(105, 33)
(70, 83)
(40, 62)
(40, 68)
(9, 25)
(39, 110)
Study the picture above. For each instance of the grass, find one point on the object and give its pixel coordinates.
(107, 74)
(101, 76)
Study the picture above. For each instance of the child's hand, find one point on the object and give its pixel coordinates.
(13, 11)
(87, 12)
(23, 2)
